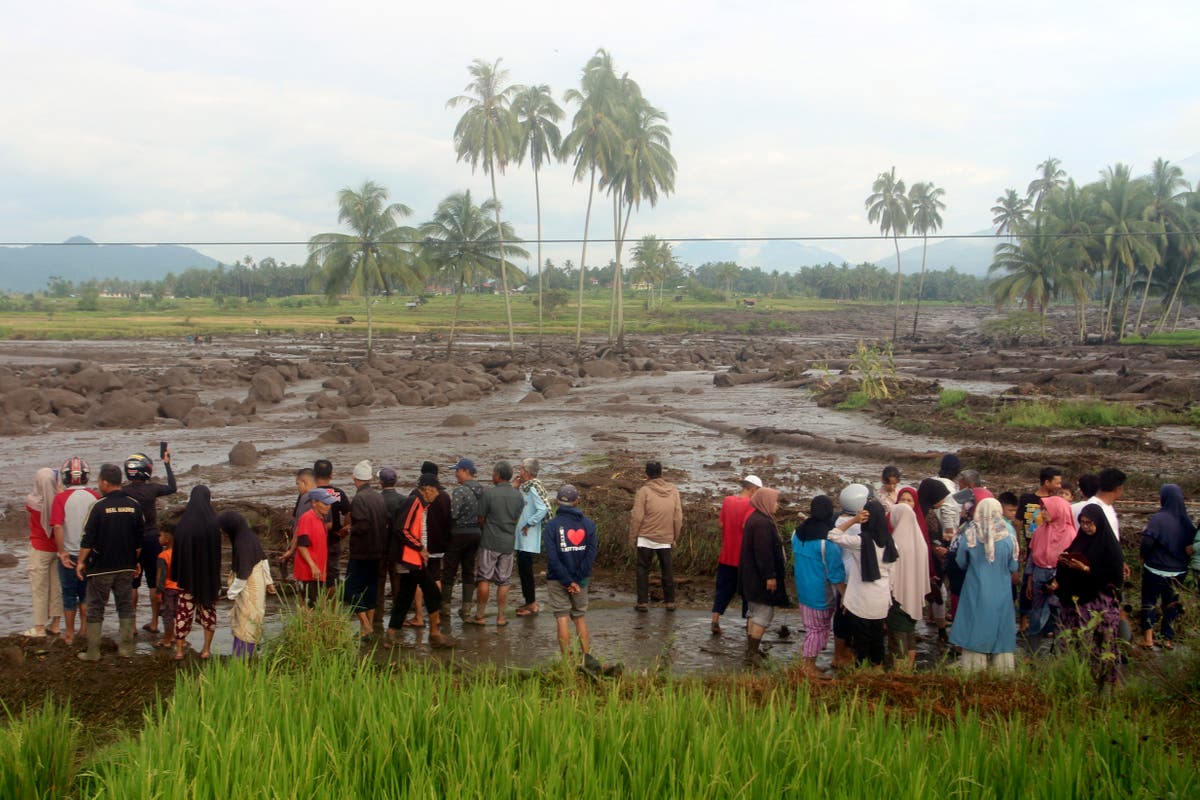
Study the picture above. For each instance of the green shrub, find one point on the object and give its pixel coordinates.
(38, 753)
(948, 398)
(1074, 414)
(854, 402)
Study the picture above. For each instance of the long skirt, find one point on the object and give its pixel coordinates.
(1100, 639)
(250, 606)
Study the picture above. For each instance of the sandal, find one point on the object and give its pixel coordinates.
(150, 629)
(480, 621)
(501, 622)
(34, 633)
(412, 623)
(528, 611)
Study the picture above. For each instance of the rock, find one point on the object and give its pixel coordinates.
(346, 433)
(458, 421)
(557, 389)
(26, 399)
(510, 375)
(331, 414)
(495, 360)
(408, 397)
(177, 406)
(266, 386)
(532, 397)
(727, 379)
(243, 454)
(201, 417)
(64, 400)
(92, 380)
(122, 410)
(175, 378)
(600, 368)
(8, 560)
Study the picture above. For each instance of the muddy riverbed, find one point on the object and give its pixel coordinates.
(711, 407)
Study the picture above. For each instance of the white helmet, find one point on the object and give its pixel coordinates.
(853, 498)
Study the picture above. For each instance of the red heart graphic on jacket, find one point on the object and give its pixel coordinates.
(575, 536)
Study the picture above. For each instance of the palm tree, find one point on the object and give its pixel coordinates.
(654, 261)
(927, 205)
(1184, 255)
(538, 116)
(1166, 210)
(1127, 236)
(1071, 211)
(727, 273)
(462, 246)
(489, 133)
(373, 257)
(888, 205)
(1010, 213)
(1034, 269)
(1050, 177)
(593, 143)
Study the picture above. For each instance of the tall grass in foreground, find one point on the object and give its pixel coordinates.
(342, 728)
(38, 753)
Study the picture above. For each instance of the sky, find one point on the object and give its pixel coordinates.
(240, 121)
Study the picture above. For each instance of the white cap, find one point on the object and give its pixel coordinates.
(753, 480)
(363, 471)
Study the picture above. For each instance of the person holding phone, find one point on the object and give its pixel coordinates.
(138, 471)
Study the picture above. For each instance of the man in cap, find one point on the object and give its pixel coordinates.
(368, 537)
(734, 511)
(569, 540)
(464, 534)
(312, 543)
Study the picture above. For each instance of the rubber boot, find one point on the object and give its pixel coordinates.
(754, 656)
(93, 638)
(125, 646)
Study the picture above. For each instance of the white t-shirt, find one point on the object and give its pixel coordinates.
(1108, 510)
(865, 600)
(650, 544)
(70, 509)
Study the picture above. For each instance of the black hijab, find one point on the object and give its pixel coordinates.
(196, 562)
(929, 493)
(247, 550)
(876, 532)
(1102, 553)
(819, 522)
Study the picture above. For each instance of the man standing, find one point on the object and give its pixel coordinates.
(389, 568)
(337, 523)
(499, 508)
(368, 534)
(67, 515)
(436, 538)
(1111, 485)
(655, 523)
(570, 541)
(464, 534)
(138, 469)
(108, 557)
(734, 511)
(413, 554)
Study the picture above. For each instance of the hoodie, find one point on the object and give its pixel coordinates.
(570, 543)
(1168, 534)
(657, 513)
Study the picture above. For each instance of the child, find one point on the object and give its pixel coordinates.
(168, 590)
(312, 544)
(570, 544)
(1008, 502)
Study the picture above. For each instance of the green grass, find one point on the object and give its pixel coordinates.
(1173, 338)
(854, 402)
(1075, 414)
(38, 753)
(948, 398)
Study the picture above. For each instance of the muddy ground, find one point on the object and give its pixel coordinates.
(712, 407)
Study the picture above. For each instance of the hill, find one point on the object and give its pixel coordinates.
(971, 256)
(783, 256)
(79, 259)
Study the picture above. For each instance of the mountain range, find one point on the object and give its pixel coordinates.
(78, 259)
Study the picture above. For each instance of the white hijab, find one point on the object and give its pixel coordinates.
(910, 573)
(989, 527)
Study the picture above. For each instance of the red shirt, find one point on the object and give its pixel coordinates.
(39, 537)
(734, 511)
(310, 533)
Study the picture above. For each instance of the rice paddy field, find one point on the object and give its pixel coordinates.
(315, 718)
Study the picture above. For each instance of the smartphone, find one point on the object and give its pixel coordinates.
(162, 449)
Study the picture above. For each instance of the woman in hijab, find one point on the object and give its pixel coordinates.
(250, 583)
(819, 573)
(1164, 554)
(196, 567)
(44, 585)
(869, 558)
(1090, 573)
(985, 626)
(931, 496)
(1054, 533)
(761, 571)
(910, 584)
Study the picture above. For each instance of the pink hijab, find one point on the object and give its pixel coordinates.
(1054, 536)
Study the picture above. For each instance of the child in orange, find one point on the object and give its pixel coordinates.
(168, 590)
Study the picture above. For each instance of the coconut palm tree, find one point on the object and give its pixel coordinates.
(889, 206)
(541, 139)
(727, 273)
(1183, 260)
(1128, 238)
(1034, 268)
(1166, 210)
(1050, 177)
(593, 143)
(927, 205)
(488, 133)
(373, 257)
(1071, 211)
(1010, 213)
(463, 247)
(654, 261)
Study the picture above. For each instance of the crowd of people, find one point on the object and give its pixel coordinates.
(979, 568)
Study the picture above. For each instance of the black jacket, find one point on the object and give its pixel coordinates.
(762, 559)
(113, 533)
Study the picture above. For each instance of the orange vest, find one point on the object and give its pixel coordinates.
(411, 554)
(165, 556)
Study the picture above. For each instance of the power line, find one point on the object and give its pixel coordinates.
(1004, 237)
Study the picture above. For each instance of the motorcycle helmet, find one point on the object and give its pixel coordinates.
(853, 498)
(138, 467)
(74, 472)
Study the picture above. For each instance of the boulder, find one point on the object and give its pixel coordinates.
(266, 386)
(122, 410)
(91, 381)
(177, 406)
(458, 421)
(26, 399)
(243, 454)
(408, 397)
(532, 397)
(201, 417)
(175, 378)
(64, 400)
(558, 389)
(346, 433)
(600, 368)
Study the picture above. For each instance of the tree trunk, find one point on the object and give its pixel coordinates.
(462, 279)
(620, 287)
(583, 268)
(537, 194)
(1178, 312)
(1125, 307)
(1183, 269)
(612, 301)
(896, 320)
(1137, 325)
(512, 345)
(921, 282)
(1112, 299)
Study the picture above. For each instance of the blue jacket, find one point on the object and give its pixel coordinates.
(570, 542)
(811, 573)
